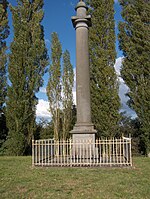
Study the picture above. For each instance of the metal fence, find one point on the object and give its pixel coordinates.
(114, 152)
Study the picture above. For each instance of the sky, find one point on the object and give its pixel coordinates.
(57, 18)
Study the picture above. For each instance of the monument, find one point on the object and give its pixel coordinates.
(83, 129)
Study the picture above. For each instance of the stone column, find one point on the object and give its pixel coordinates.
(83, 129)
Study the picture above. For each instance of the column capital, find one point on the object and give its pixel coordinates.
(86, 20)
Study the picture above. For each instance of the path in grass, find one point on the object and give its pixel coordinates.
(20, 180)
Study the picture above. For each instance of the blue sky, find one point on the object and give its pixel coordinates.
(57, 18)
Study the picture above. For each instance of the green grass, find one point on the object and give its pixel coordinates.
(20, 180)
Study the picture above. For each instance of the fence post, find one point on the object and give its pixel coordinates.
(130, 153)
(70, 143)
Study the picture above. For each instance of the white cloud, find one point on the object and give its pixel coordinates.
(42, 109)
(74, 97)
(123, 89)
(43, 90)
(117, 66)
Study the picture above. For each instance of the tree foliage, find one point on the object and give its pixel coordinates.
(27, 62)
(67, 99)
(105, 101)
(130, 127)
(44, 129)
(134, 38)
(54, 83)
(4, 32)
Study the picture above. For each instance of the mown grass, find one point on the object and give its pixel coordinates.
(20, 180)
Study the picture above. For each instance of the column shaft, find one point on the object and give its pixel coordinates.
(82, 74)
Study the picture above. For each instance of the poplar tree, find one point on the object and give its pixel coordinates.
(54, 83)
(105, 102)
(27, 62)
(134, 38)
(4, 32)
(67, 99)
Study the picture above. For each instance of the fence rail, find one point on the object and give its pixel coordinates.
(114, 152)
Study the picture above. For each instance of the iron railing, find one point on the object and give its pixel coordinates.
(108, 152)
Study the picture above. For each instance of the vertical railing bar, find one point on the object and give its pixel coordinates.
(94, 151)
(36, 152)
(130, 153)
(48, 152)
(77, 161)
(51, 152)
(58, 153)
(100, 152)
(55, 152)
(77, 148)
(66, 152)
(113, 155)
(110, 151)
(41, 148)
(117, 150)
(127, 147)
(61, 153)
(106, 151)
(74, 148)
(35, 155)
(103, 150)
(70, 142)
(40, 151)
(80, 154)
(120, 151)
(69, 153)
(90, 153)
(87, 151)
(123, 156)
(83, 153)
(45, 152)
(104, 154)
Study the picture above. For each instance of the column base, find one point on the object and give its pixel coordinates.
(83, 132)
(83, 136)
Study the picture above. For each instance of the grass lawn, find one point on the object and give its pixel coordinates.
(20, 180)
